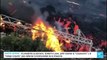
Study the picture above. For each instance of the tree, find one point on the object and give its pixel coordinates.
(18, 43)
(38, 45)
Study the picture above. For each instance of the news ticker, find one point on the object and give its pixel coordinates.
(53, 55)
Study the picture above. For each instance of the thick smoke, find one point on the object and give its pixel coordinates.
(90, 14)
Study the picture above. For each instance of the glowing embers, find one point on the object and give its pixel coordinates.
(42, 30)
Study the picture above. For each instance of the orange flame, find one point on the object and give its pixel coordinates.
(52, 42)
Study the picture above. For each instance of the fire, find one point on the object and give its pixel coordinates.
(52, 42)
(1, 21)
(33, 34)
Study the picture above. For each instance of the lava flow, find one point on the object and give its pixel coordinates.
(52, 42)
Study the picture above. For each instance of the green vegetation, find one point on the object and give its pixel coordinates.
(21, 43)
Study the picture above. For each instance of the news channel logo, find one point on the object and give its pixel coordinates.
(100, 55)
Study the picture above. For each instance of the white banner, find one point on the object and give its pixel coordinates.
(53, 54)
